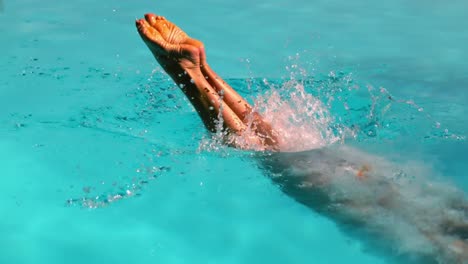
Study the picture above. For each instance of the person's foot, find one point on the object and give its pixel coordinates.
(169, 44)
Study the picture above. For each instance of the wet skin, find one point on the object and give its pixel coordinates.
(184, 59)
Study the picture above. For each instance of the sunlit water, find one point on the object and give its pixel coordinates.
(103, 160)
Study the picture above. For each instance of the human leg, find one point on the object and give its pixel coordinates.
(184, 59)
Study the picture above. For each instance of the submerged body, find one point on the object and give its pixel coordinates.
(396, 208)
(354, 188)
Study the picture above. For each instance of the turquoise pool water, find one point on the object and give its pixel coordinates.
(88, 120)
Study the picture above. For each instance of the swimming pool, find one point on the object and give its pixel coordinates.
(87, 118)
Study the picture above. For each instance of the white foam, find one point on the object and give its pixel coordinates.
(402, 203)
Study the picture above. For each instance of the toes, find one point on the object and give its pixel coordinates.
(153, 38)
(140, 24)
(167, 36)
(148, 32)
(151, 19)
(155, 21)
(158, 22)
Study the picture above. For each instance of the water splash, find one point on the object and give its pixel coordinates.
(301, 120)
(95, 198)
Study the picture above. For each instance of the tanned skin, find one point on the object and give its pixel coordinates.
(184, 59)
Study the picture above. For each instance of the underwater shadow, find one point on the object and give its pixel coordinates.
(344, 184)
